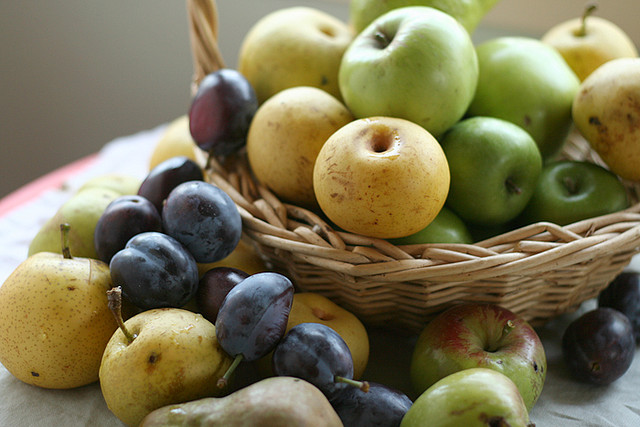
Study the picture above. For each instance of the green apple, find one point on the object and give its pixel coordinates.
(570, 191)
(447, 227)
(476, 397)
(494, 168)
(475, 335)
(415, 63)
(526, 82)
(468, 12)
(294, 46)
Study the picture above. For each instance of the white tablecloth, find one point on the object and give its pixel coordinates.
(564, 401)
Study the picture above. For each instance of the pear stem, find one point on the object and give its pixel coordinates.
(588, 10)
(224, 380)
(114, 296)
(362, 385)
(64, 239)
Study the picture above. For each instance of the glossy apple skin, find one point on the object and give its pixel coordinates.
(480, 335)
(570, 191)
(447, 227)
(494, 167)
(623, 294)
(415, 63)
(544, 84)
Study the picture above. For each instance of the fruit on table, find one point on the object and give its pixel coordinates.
(623, 294)
(294, 46)
(589, 41)
(494, 166)
(382, 177)
(121, 220)
(569, 191)
(166, 176)
(478, 335)
(285, 137)
(204, 219)
(82, 212)
(176, 141)
(271, 402)
(598, 347)
(120, 183)
(415, 63)
(221, 112)
(167, 356)
(605, 111)
(475, 397)
(54, 319)
(155, 270)
(244, 257)
(446, 227)
(468, 12)
(380, 406)
(213, 287)
(543, 81)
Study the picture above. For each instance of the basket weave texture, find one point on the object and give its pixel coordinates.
(538, 271)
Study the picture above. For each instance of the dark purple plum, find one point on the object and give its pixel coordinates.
(623, 294)
(204, 219)
(122, 219)
(154, 271)
(166, 176)
(221, 112)
(214, 286)
(598, 347)
(316, 353)
(381, 406)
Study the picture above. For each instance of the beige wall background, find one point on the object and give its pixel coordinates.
(76, 74)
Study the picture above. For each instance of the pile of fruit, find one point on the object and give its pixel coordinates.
(395, 126)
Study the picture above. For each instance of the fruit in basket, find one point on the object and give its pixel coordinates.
(589, 41)
(221, 112)
(415, 63)
(623, 294)
(54, 319)
(82, 212)
(213, 287)
(494, 166)
(285, 137)
(176, 141)
(294, 46)
(244, 257)
(468, 12)
(569, 191)
(382, 177)
(120, 183)
(380, 406)
(544, 84)
(606, 113)
(166, 176)
(167, 356)
(446, 227)
(204, 219)
(476, 397)
(122, 219)
(278, 401)
(480, 335)
(155, 270)
(598, 347)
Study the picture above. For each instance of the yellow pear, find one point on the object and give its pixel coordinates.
(176, 141)
(120, 183)
(244, 257)
(54, 320)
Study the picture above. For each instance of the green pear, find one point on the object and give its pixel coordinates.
(475, 397)
(271, 402)
(160, 357)
(54, 320)
(120, 183)
(468, 12)
(82, 212)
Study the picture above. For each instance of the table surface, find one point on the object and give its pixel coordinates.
(564, 401)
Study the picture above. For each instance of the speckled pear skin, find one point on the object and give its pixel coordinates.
(175, 357)
(271, 402)
(54, 320)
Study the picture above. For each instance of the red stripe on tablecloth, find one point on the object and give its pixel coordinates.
(51, 180)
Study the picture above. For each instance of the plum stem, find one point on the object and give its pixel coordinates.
(588, 10)
(362, 385)
(64, 238)
(224, 380)
(114, 296)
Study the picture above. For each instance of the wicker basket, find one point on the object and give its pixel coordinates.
(539, 271)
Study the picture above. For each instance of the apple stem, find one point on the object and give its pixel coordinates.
(588, 10)
(508, 327)
(362, 385)
(64, 238)
(382, 39)
(224, 380)
(512, 187)
(570, 184)
(114, 296)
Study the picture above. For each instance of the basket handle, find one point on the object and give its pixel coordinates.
(203, 34)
